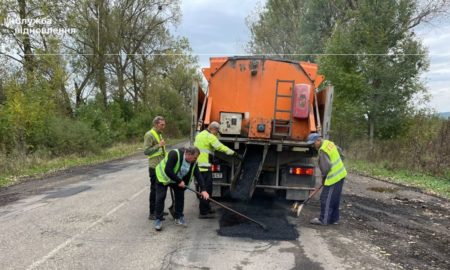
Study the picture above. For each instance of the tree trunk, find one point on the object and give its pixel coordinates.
(26, 42)
(66, 101)
(2, 93)
(135, 86)
(101, 51)
(371, 132)
(120, 85)
(78, 95)
(101, 81)
(79, 100)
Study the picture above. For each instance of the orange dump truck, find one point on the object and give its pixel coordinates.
(266, 108)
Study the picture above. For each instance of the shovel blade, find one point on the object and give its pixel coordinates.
(299, 209)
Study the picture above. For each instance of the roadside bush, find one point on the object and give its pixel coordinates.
(176, 125)
(423, 148)
(94, 116)
(23, 116)
(67, 136)
(140, 124)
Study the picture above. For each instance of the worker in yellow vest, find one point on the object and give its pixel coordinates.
(154, 148)
(208, 142)
(333, 176)
(176, 170)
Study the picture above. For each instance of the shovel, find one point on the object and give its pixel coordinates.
(297, 207)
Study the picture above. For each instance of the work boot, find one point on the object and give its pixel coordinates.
(205, 216)
(180, 221)
(316, 221)
(158, 224)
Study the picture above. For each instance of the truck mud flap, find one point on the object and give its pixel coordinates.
(247, 174)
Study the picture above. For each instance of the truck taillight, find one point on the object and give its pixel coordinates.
(301, 171)
(215, 168)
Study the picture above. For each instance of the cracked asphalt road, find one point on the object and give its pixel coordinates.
(95, 217)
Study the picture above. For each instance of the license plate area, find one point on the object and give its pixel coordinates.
(217, 175)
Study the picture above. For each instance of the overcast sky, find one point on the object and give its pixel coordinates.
(218, 28)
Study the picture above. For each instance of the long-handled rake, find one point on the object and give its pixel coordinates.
(229, 209)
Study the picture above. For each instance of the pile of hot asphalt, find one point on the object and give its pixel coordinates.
(263, 208)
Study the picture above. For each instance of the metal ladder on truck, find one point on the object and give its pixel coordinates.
(282, 126)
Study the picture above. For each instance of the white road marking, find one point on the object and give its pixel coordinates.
(70, 240)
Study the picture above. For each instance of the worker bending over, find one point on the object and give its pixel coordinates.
(177, 170)
(207, 142)
(333, 176)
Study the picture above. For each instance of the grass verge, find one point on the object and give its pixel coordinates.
(428, 183)
(23, 166)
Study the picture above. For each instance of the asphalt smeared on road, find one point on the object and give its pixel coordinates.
(264, 209)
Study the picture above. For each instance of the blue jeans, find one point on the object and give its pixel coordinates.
(330, 198)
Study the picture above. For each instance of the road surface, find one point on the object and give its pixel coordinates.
(95, 217)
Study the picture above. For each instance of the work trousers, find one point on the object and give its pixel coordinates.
(161, 192)
(152, 195)
(330, 199)
(204, 205)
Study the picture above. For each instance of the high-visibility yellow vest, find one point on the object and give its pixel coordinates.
(207, 142)
(161, 174)
(162, 150)
(337, 171)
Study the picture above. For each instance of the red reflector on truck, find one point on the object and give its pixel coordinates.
(215, 168)
(301, 171)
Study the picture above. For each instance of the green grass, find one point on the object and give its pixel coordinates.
(428, 183)
(22, 166)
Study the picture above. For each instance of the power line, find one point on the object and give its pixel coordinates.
(241, 54)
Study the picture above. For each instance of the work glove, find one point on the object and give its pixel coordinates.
(238, 156)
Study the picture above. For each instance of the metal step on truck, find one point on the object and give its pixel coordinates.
(266, 108)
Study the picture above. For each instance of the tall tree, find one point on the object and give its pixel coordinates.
(295, 29)
(134, 25)
(367, 49)
(375, 61)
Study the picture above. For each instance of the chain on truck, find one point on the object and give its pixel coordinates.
(266, 108)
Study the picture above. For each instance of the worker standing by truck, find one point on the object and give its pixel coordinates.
(176, 170)
(207, 142)
(333, 176)
(154, 148)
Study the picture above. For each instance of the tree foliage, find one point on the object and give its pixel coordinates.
(380, 60)
(367, 49)
(101, 83)
(294, 29)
